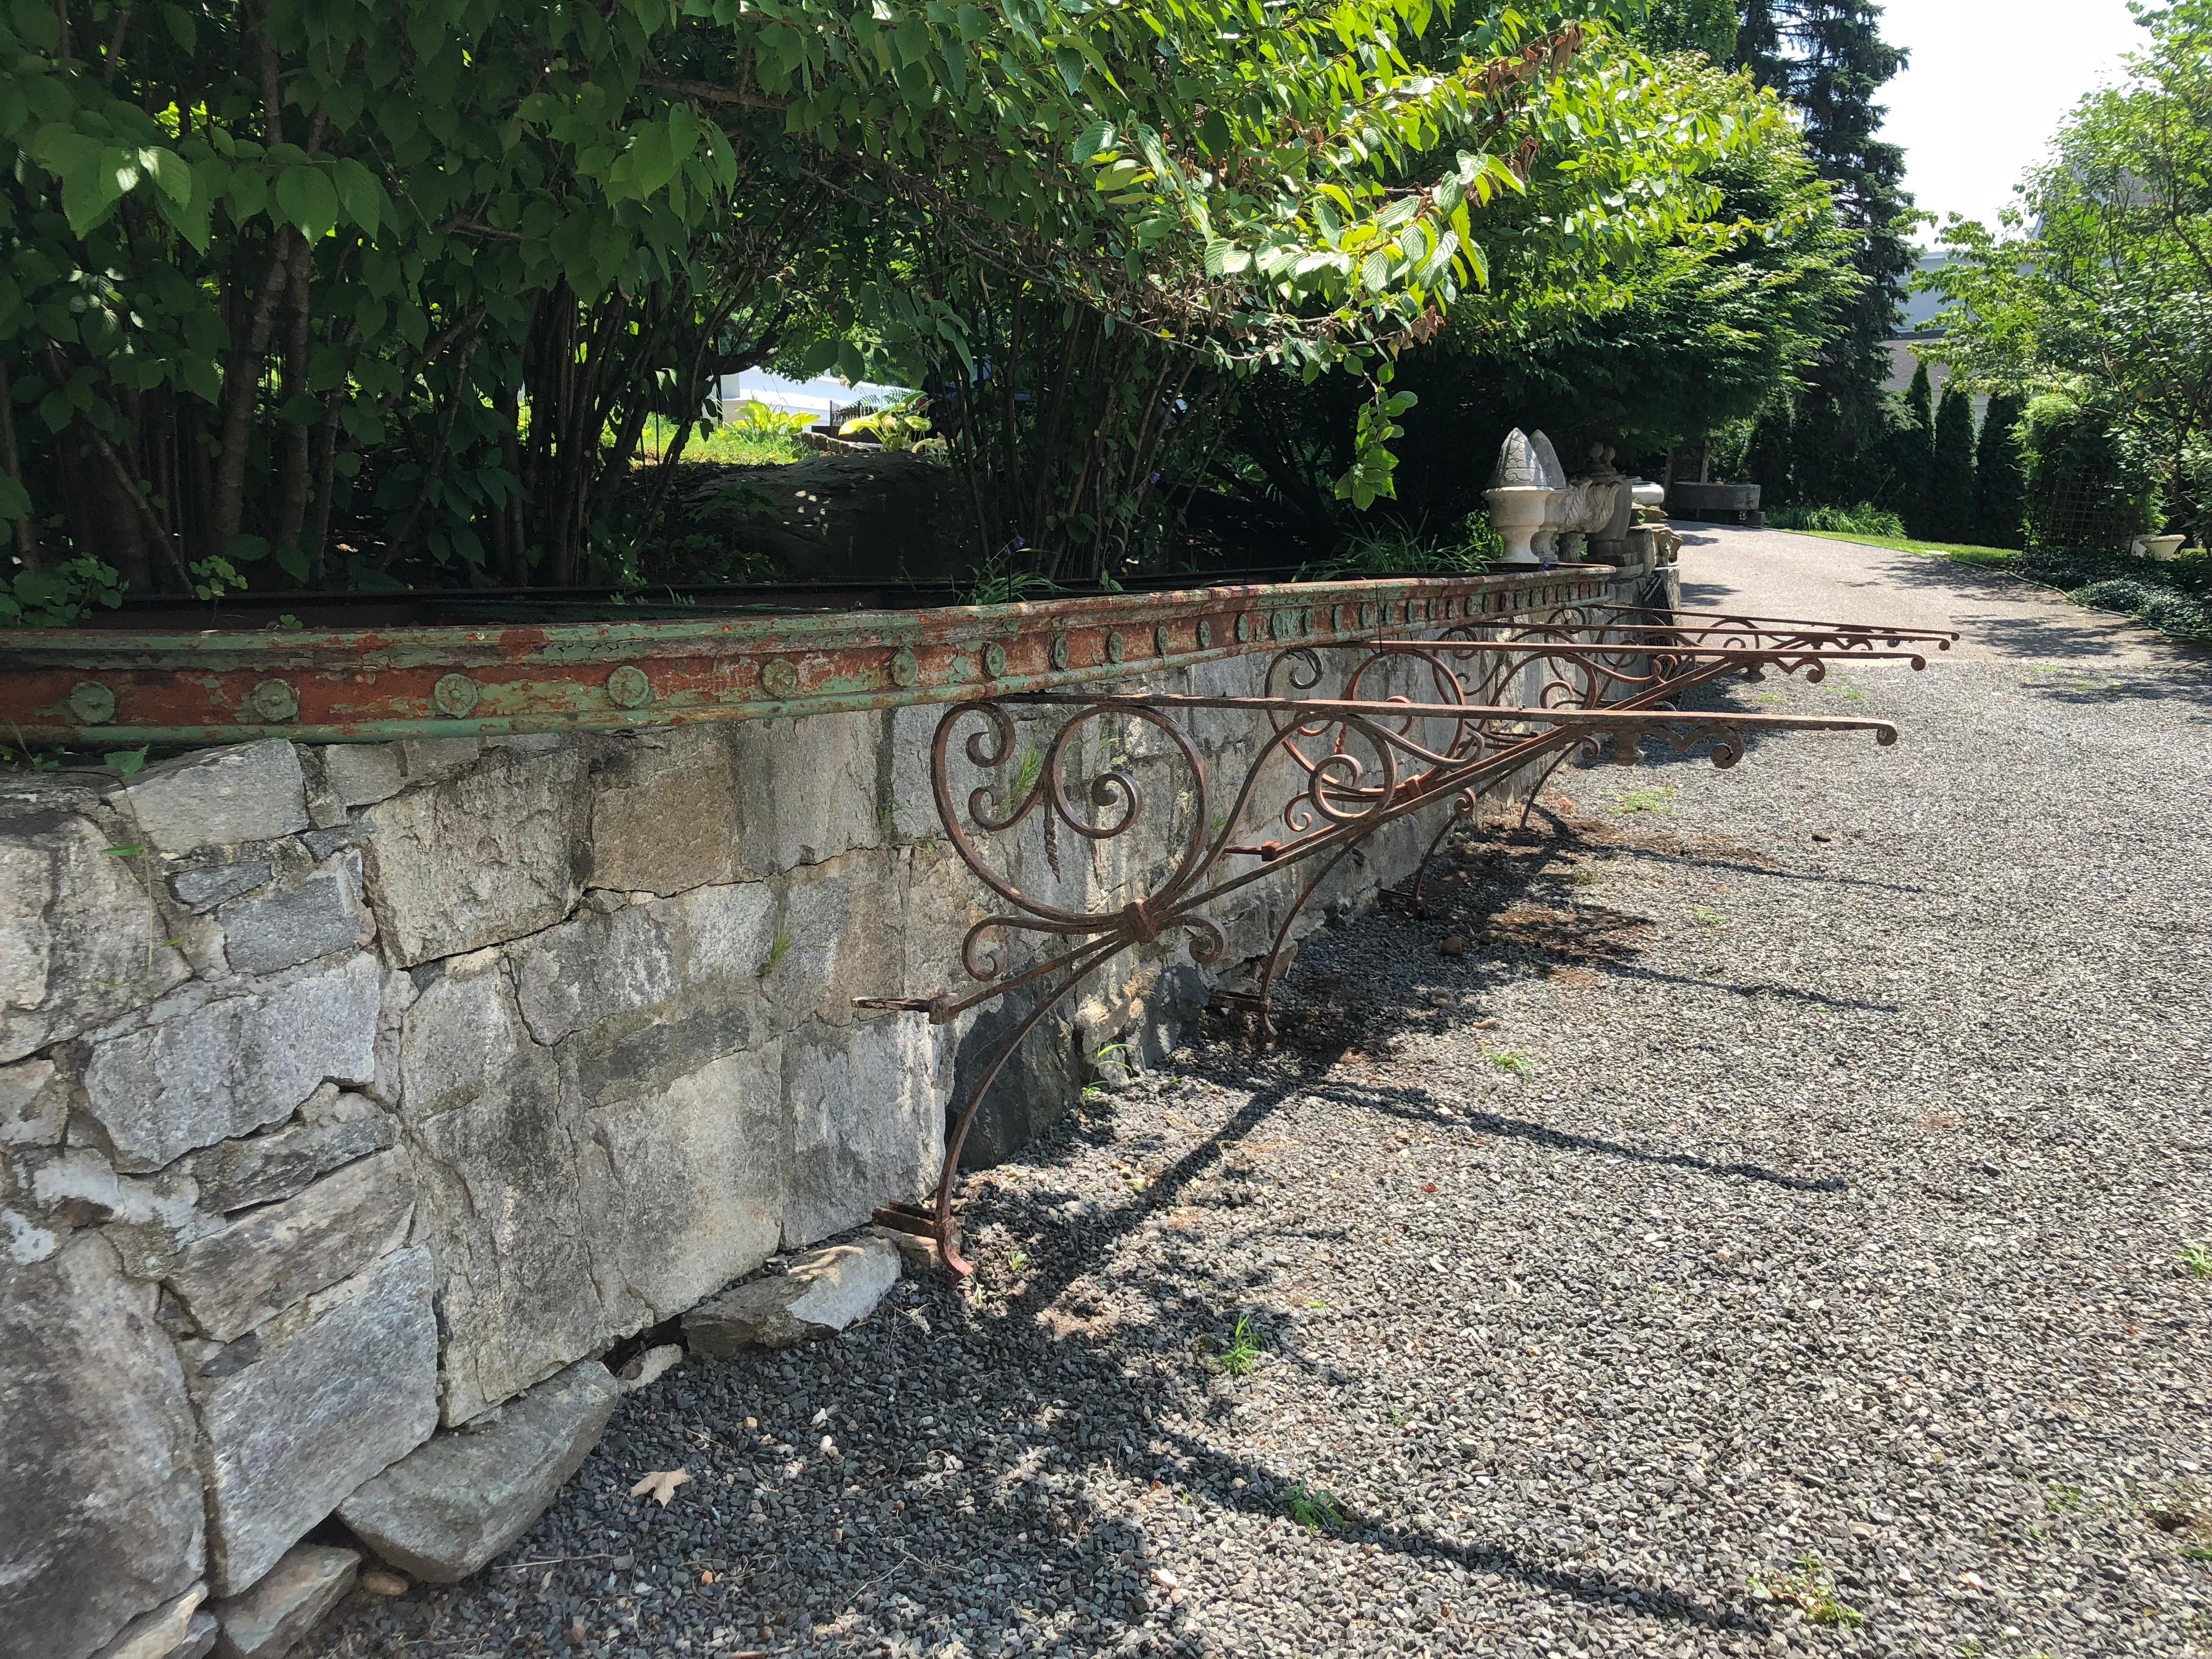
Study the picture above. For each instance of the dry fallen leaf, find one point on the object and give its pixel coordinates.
(662, 1484)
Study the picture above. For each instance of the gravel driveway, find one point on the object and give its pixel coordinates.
(1769, 1236)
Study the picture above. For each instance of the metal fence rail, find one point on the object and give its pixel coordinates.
(376, 685)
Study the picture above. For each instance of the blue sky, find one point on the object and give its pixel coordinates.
(1990, 81)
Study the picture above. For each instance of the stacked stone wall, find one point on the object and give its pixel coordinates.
(347, 1092)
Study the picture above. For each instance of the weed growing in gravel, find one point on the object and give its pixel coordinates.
(1520, 1064)
(1316, 1511)
(1019, 1260)
(1243, 1350)
(2063, 1497)
(2197, 1258)
(1808, 1586)
(1706, 916)
(1645, 801)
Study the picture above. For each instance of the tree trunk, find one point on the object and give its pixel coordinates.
(26, 529)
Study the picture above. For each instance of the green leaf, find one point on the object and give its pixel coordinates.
(309, 200)
(360, 194)
(14, 500)
(36, 22)
(652, 159)
(127, 762)
(168, 172)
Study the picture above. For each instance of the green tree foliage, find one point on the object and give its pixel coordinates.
(2084, 496)
(2109, 299)
(1706, 26)
(374, 289)
(1910, 455)
(1078, 435)
(1950, 508)
(1828, 59)
(1694, 334)
(1769, 458)
(2000, 477)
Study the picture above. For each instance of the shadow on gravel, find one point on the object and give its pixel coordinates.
(1503, 916)
(2088, 686)
(1396, 1105)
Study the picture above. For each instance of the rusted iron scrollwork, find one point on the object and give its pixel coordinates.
(1411, 724)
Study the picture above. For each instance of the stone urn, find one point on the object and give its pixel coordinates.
(1559, 514)
(1522, 497)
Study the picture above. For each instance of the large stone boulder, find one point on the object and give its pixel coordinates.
(80, 944)
(452, 1504)
(278, 1254)
(221, 796)
(484, 857)
(832, 517)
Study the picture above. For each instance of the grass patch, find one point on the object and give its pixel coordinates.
(778, 949)
(1706, 916)
(750, 435)
(1519, 1065)
(2198, 1259)
(1645, 801)
(1993, 557)
(1315, 1510)
(1244, 1350)
(1806, 1585)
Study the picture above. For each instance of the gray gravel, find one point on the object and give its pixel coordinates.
(1766, 1238)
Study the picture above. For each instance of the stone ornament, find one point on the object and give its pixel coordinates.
(1522, 494)
(1545, 518)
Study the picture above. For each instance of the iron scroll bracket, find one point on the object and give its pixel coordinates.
(1440, 720)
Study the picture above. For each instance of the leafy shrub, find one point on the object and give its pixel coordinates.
(1950, 503)
(2174, 596)
(1398, 551)
(1864, 519)
(60, 597)
(2165, 609)
(2082, 493)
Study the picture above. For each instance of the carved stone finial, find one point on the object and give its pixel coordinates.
(1519, 466)
(1555, 475)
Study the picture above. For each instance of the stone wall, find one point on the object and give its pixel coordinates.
(346, 1093)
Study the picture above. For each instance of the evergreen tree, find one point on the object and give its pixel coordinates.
(1828, 59)
(1910, 453)
(1771, 459)
(1706, 26)
(2000, 478)
(1951, 479)
(1758, 46)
